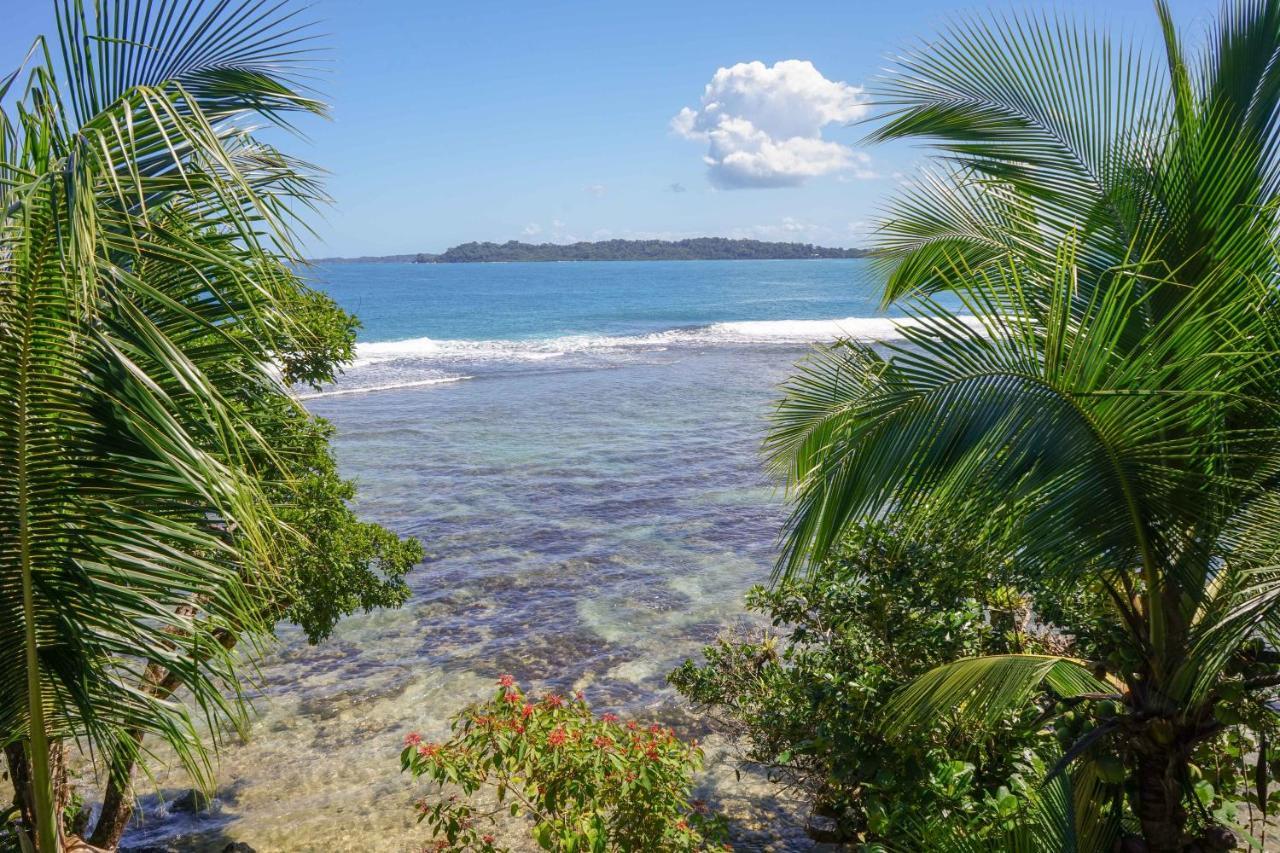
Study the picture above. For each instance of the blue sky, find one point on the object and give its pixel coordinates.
(458, 121)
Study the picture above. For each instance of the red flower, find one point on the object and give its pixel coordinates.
(654, 728)
(427, 750)
(553, 701)
(602, 742)
(513, 698)
(610, 717)
(506, 680)
(487, 839)
(526, 711)
(557, 738)
(631, 724)
(580, 696)
(412, 739)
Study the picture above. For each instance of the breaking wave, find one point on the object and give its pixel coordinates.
(420, 362)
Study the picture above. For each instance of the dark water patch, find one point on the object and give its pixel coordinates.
(322, 704)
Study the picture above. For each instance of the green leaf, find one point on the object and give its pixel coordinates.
(983, 690)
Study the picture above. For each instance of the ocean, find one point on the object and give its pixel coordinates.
(577, 445)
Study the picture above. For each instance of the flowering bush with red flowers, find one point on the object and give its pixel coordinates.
(584, 783)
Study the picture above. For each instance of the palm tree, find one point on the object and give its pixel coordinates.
(1108, 218)
(144, 246)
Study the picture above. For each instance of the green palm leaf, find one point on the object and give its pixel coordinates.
(985, 690)
(1108, 415)
(144, 256)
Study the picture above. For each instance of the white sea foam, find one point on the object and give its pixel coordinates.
(419, 362)
(386, 386)
(541, 349)
(806, 331)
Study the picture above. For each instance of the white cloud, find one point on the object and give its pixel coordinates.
(555, 233)
(763, 125)
(859, 168)
(791, 229)
(597, 190)
(860, 229)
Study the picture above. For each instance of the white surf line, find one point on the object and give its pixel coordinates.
(391, 386)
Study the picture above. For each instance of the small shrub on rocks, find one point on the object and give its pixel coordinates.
(583, 782)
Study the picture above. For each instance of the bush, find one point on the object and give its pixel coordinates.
(806, 705)
(585, 783)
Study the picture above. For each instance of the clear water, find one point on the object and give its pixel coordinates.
(591, 499)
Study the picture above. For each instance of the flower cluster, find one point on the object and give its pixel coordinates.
(582, 782)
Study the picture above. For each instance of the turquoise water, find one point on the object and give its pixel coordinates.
(543, 300)
(432, 323)
(577, 446)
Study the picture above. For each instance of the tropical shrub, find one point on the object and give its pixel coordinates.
(881, 610)
(1107, 217)
(582, 782)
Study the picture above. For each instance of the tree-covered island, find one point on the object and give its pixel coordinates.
(695, 249)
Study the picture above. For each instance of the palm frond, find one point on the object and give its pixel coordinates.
(985, 690)
(1050, 107)
(144, 281)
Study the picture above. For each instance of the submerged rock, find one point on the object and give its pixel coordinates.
(232, 847)
(192, 801)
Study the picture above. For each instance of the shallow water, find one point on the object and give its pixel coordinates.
(584, 528)
(593, 504)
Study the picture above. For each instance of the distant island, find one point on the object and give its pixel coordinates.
(696, 249)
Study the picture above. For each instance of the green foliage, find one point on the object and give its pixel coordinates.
(161, 496)
(336, 564)
(328, 563)
(1107, 218)
(329, 342)
(807, 705)
(142, 229)
(584, 783)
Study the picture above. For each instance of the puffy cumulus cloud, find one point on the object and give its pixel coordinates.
(763, 125)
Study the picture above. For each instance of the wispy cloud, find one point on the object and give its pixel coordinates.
(794, 229)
